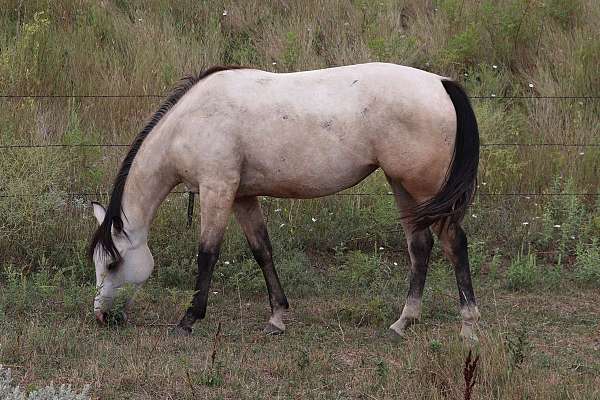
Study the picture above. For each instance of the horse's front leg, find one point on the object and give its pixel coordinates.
(216, 202)
(249, 215)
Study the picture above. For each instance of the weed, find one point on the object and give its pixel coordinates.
(587, 264)
(303, 360)
(477, 255)
(495, 264)
(382, 368)
(518, 347)
(469, 374)
(10, 391)
(435, 345)
(462, 48)
(523, 272)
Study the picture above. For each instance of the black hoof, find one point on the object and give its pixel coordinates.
(181, 331)
(271, 329)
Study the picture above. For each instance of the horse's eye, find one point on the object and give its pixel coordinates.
(112, 265)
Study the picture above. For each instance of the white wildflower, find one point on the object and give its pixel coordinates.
(525, 223)
(380, 248)
(226, 263)
(474, 215)
(278, 210)
(225, 13)
(314, 219)
(495, 66)
(531, 85)
(557, 226)
(581, 153)
(395, 263)
(281, 226)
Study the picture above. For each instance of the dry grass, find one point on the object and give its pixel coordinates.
(322, 355)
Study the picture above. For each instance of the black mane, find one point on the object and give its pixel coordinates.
(112, 219)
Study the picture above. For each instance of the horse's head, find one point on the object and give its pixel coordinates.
(131, 270)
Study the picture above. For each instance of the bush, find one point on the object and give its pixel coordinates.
(587, 264)
(523, 272)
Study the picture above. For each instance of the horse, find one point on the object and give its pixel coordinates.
(234, 133)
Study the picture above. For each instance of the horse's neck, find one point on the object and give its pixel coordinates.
(150, 180)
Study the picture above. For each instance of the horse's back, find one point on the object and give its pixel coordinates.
(312, 133)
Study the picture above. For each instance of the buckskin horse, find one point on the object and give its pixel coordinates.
(235, 133)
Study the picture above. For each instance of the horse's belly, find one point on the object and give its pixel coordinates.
(317, 178)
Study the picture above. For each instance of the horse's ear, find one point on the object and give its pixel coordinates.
(99, 211)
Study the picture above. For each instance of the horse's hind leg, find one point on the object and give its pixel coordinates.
(420, 244)
(454, 243)
(249, 215)
(215, 208)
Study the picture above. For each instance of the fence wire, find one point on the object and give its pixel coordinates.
(524, 195)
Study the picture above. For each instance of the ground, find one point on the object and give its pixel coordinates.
(535, 344)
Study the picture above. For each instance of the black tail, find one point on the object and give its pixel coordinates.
(461, 178)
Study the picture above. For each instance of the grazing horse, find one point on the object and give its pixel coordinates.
(236, 133)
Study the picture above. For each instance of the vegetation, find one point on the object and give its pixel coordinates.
(342, 259)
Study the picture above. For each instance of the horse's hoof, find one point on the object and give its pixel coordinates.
(395, 336)
(271, 329)
(181, 331)
(400, 327)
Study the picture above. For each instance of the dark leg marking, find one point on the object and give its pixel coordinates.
(250, 218)
(263, 254)
(419, 246)
(206, 265)
(454, 242)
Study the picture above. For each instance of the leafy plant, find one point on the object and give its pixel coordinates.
(523, 272)
(587, 264)
(11, 391)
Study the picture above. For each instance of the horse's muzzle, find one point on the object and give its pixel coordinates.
(100, 317)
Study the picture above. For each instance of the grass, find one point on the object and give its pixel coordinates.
(342, 259)
(532, 344)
